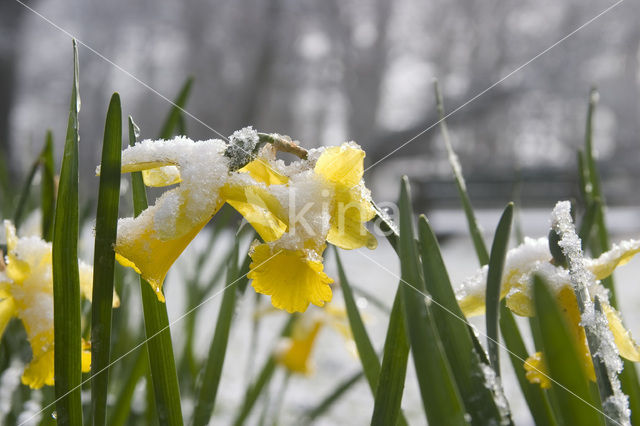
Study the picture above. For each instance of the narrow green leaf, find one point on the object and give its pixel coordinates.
(588, 221)
(366, 352)
(333, 396)
(440, 396)
(66, 280)
(536, 398)
(466, 356)
(577, 404)
(593, 186)
(104, 260)
(217, 350)
(494, 284)
(476, 234)
(47, 188)
(122, 408)
(24, 194)
(264, 377)
(388, 397)
(628, 377)
(174, 121)
(156, 323)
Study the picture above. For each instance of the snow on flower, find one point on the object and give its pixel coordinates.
(295, 208)
(26, 292)
(534, 257)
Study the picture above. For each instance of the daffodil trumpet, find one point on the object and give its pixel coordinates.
(295, 208)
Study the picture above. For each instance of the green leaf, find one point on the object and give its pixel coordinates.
(332, 397)
(494, 284)
(366, 352)
(47, 188)
(588, 220)
(24, 194)
(440, 396)
(104, 260)
(161, 362)
(122, 408)
(217, 350)
(388, 397)
(592, 188)
(476, 234)
(465, 355)
(174, 122)
(565, 365)
(66, 281)
(264, 377)
(536, 398)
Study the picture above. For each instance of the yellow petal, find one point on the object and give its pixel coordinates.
(144, 165)
(472, 305)
(162, 176)
(151, 256)
(39, 372)
(86, 356)
(86, 283)
(619, 254)
(295, 352)
(520, 302)
(536, 370)
(7, 311)
(289, 277)
(342, 164)
(626, 345)
(259, 207)
(568, 303)
(261, 171)
(10, 235)
(350, 212)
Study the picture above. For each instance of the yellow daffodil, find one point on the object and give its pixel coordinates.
(326, 200)
(534, 257)
(291, 277)
(294, 353)
(151, 242)
(26, 292)
(343, 167)
(295, 209)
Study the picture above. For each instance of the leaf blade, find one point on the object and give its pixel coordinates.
(217, 350)
(577, 404)
(494, 284)
(104, 260)
(66, 280)
(162, 364)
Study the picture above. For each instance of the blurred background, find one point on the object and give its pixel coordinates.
(328, 71)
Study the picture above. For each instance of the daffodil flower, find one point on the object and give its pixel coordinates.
(325, 200)
(151, 242)
(295, 208)
(534, 257)
(294, 353)
(26, 292)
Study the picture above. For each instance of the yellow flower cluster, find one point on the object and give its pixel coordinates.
(533, 257)
(295, 209)
(26, 292)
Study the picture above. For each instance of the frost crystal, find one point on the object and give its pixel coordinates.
(599, 337)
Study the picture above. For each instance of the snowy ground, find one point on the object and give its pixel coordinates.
(377, 272)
